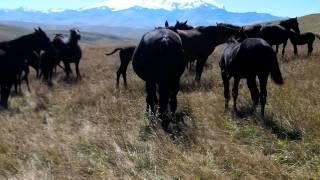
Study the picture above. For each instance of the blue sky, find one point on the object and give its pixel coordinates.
(290, 8)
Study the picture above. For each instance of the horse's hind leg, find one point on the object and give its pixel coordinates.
(226, 90)
(67, 69)
(124, 73)
(26, 79)
(5, 92)
(164, 93)
(235, 92)
(310, 49)
(119, 72)
(295, 49)
(173, 98)
(263, 79)
(252, 85)
(151, 97)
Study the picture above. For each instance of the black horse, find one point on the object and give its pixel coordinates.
(252, 31)
(159, 60)
(251, 58)
(279, 34)
(12, 61)
(200, 42)
(302, 39)
(126, 53)
(69, 52)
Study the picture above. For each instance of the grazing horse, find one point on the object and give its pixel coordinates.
(200, 42)
(12, 61)
(248, 59)
(302, 39)
(69, 52)
(279, 34)
(159, 60)
(126, 53)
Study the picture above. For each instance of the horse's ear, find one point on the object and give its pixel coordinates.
(185, 23)
(166, 24)
(39, 29)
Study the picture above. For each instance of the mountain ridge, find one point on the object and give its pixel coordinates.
(134, 17)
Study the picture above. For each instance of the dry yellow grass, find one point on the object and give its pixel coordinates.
(89, 130)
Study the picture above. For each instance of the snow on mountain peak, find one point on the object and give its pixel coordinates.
(117, 5)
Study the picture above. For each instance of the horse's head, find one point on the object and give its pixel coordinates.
(291, 23)
(242, 35)
(178, 26)
(41, 40)
(182, 26)
(75, 34)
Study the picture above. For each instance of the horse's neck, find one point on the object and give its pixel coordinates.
(23, 44)
(72, 42)
(285, 25)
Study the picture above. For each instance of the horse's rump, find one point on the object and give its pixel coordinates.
(158, 55)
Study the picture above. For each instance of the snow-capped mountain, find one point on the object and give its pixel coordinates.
(136, 14)
(155, 4)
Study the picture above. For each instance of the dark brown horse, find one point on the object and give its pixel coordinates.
(200, 42)
(279, 34)
(12, 61)
(302, 39)
(251, 58)
(69, 52)
(159, 60)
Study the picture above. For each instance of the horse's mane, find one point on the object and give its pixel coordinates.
(18, 40)
(229, 25)
(231, 40)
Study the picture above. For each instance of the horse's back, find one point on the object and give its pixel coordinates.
(159, 53)
(274, 34)
(251, 56)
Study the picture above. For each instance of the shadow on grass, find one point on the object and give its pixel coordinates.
(191, 86)
(281, 130)
(181, 129)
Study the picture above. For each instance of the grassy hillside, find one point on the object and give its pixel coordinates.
(310, 23)
(90, 130)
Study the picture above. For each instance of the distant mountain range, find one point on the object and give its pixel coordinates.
(197, 12)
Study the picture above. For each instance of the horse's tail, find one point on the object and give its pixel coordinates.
(317, 35)
(114, 51)
(276, 75)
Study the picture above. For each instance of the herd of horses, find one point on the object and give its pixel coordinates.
(37, 51)
(162, 56)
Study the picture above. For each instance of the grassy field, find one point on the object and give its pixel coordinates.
(90, 130)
